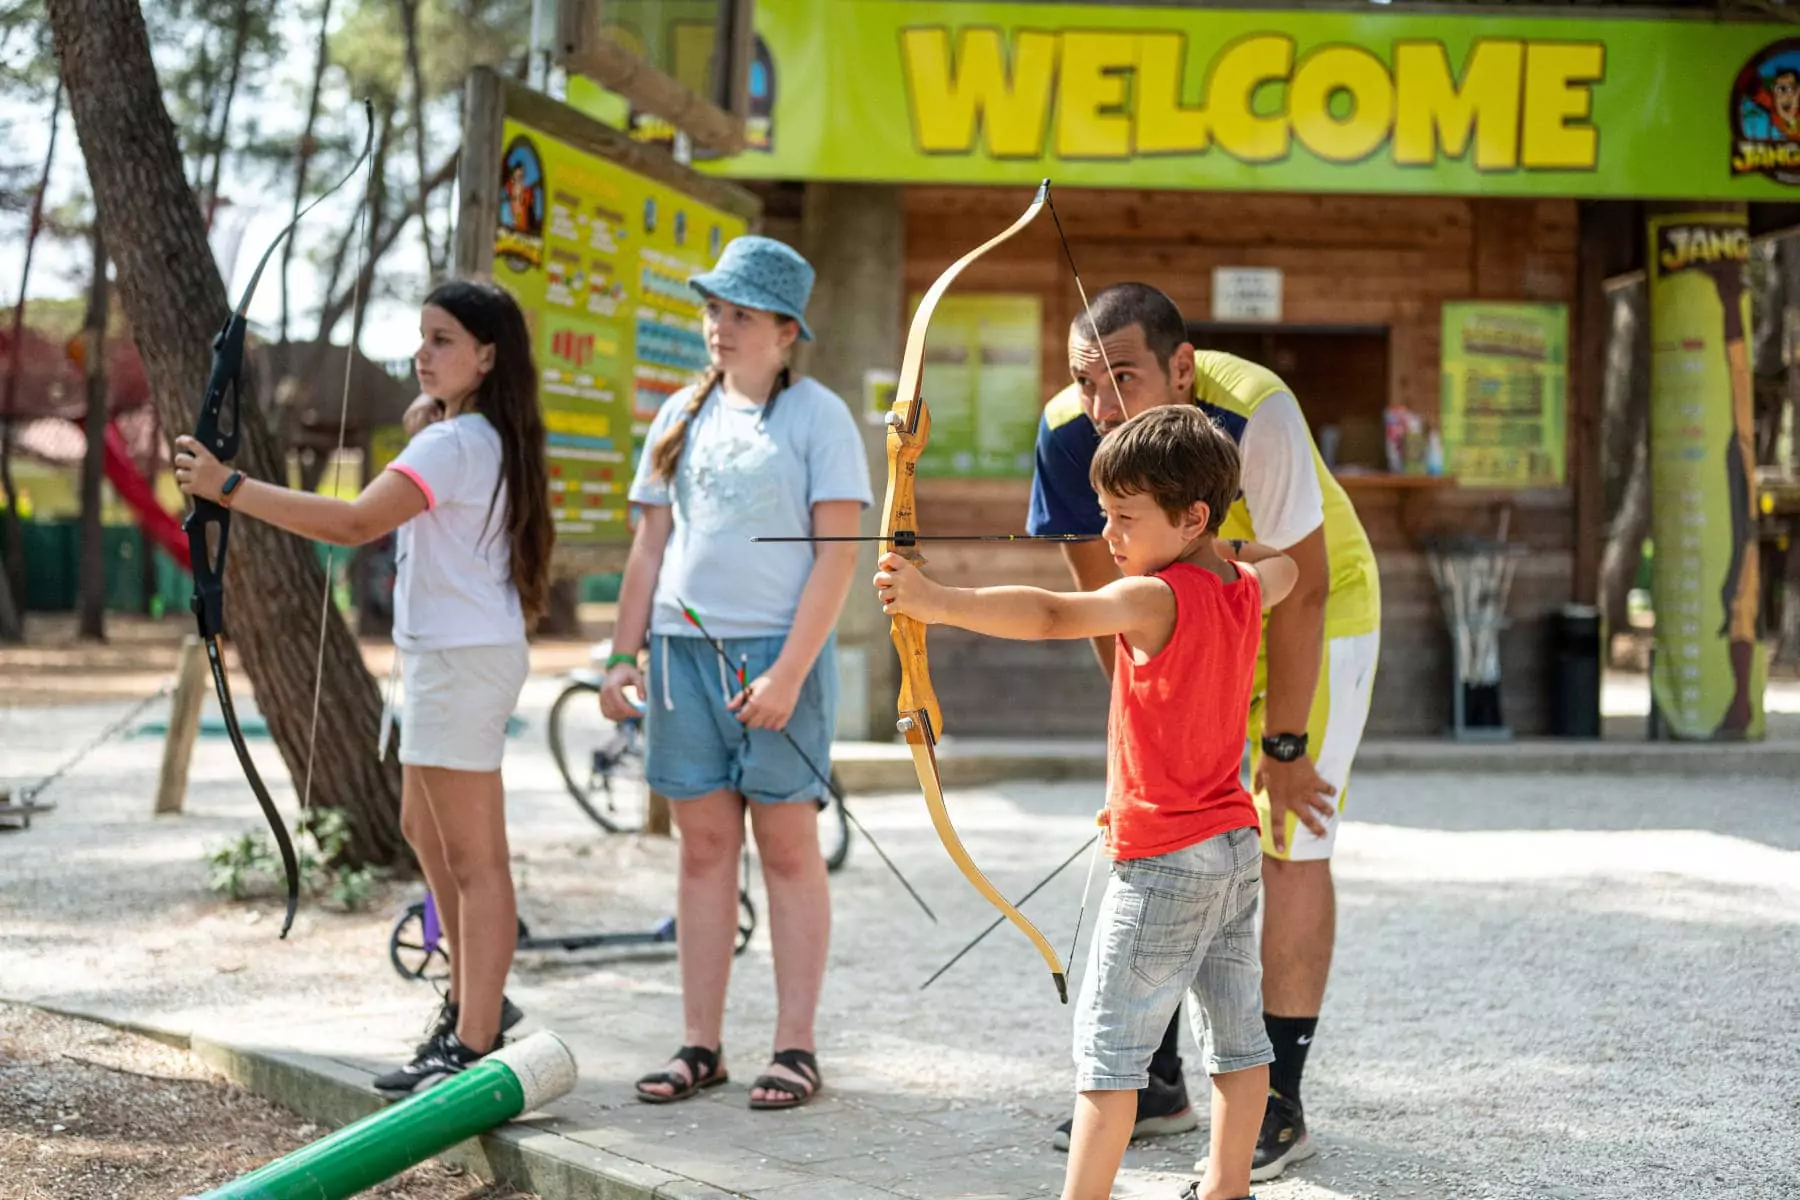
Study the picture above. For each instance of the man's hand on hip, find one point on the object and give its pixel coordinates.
(1295, 787)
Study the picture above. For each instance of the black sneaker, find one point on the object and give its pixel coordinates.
(445, 1022)
(443, 1057)
(1283, 1140)
(1162, 1109)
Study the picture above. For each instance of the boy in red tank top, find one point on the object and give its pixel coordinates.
(1179, 914)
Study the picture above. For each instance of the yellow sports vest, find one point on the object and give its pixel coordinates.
(1232, 387)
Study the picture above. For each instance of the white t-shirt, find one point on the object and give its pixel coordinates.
(453, 563)
(1280, 479)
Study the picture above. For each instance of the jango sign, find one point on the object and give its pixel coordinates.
(1303, 100)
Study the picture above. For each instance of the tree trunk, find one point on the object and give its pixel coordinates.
(240, 34)
(409, 23)
(304, 151)
(93, 361)
(563, 618)
(176, 302)
(1627, 450)
(12, 621)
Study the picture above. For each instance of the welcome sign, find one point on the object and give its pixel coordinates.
(1359, 101)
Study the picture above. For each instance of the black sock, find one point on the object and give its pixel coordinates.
(1165, 1064)
(1291, 1037)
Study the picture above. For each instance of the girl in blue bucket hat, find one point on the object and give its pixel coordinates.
(746, 451)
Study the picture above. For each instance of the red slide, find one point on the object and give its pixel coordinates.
(137, 493)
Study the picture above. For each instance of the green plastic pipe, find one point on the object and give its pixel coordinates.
(518, 1078)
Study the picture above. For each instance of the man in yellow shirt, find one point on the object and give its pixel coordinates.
(1315, 674)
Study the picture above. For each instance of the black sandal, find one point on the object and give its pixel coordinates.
(1192, 1192)
(703, 1073)
(801, 1063)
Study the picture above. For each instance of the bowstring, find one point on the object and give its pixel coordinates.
(337, 475)
(1086, 308)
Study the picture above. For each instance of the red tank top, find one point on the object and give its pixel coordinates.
(1175, 736)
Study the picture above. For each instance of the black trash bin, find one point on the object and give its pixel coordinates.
(1575, 676)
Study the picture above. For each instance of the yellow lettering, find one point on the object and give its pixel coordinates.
(1237, 74)
(1434, 114)
(1163, 125)
(1318, 80)
(1556, 93)
(951, 102)
(1093, 119)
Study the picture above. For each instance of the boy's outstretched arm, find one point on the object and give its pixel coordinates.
(1140, 607)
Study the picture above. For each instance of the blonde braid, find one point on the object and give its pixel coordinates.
(667, 455)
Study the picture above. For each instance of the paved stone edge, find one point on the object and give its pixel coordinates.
(334, 1094)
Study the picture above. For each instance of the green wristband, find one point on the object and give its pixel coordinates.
(614, 659)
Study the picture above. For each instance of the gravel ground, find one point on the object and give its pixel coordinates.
(1544, 987)
(91, 1113)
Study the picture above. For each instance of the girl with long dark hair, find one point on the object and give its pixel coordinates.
(469, 499)
(748, 450)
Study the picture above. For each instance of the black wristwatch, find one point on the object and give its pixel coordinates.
(1284, 747)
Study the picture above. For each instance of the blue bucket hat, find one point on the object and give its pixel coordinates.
(760, 272)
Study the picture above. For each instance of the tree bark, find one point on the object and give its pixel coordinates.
(304, 151)
(176, 302)
(12, 619)
(1628, 450)
(93, 361)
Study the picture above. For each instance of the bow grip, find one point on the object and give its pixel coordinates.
(216, 427)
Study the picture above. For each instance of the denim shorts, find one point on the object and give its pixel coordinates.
(695, 745)
(1183, 922)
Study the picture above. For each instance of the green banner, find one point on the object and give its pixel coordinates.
(982, 379)
(1707, 679)
(1506, 388)
(599, 258)
(1205, 98)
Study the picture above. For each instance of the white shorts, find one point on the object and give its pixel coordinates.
(456, 704)
(1334, 730)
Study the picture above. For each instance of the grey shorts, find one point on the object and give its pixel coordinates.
(1178, 923)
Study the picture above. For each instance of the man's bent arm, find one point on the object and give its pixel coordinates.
(1092, 567)
(1295, 638)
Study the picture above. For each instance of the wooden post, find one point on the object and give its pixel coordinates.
(184, 726)
(656, 817)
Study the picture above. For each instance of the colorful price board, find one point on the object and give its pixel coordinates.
(599, 256)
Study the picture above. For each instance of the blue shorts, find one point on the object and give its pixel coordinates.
(695, 745)
(1182, 923)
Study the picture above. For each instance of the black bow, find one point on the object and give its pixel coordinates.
(208, 526)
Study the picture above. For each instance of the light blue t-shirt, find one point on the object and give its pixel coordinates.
(742, 477)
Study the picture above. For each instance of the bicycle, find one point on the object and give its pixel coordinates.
(614, 754)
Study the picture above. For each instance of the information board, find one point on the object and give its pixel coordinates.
(599, 256)
(981, 379)
(1506, 390)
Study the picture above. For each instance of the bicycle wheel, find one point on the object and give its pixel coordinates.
(411, 957)
(834, 828)
(601, 764)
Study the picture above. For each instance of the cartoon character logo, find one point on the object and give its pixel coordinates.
(520, 236)
(1765, 114)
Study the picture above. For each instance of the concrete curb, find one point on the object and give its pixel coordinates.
(520, 1154)
(870, 767)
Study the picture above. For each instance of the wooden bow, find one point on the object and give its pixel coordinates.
(921, 719)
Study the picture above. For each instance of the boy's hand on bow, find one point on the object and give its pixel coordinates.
(905, 592)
